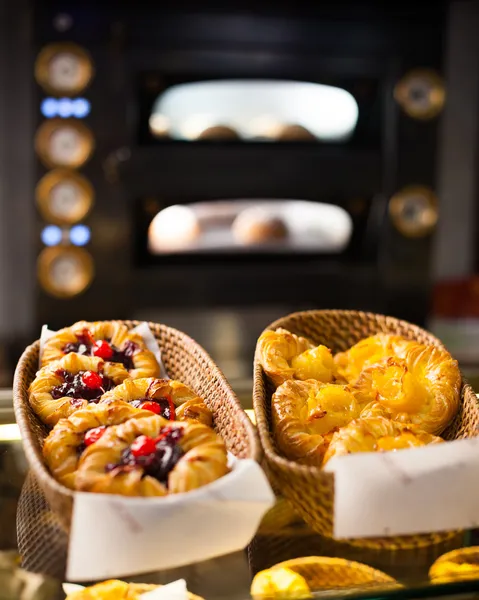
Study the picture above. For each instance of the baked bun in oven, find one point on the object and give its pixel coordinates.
(109, 340)
(152, 457)
(67, 440)
(305, 415)
(285, 355)
(64, 386)
(376, 434)
(256, 225)
(168, 398)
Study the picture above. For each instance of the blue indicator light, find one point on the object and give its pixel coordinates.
(64, 108)
(49, 107)
(51, 235)
(80, 235)
(81, 108)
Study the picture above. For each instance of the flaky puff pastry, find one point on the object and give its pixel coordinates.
(368, 351)
(114, 589)
(376, 434)
(305, 415)
(65, 443)
(285, 355)
(187, 404)
(422, 388)
(83, 335)
(102, 467)
(43, 393)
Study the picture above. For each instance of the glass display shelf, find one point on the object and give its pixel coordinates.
(278, 539)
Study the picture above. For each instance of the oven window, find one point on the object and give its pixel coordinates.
(254, 110)
(245, 226)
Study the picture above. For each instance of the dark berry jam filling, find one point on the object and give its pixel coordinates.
(74, 386)
(87, 346)
(158, 463)
(160, 406)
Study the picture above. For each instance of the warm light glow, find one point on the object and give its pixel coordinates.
(251, 415)
(173, 228)
(257, 109)
(9, 432)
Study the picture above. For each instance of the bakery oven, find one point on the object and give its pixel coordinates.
(231, 159)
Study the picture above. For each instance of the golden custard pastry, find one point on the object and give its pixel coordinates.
(64, 386)
(457, 565)
(279, 583)
(305, 414)
(152, 457)
(376, 434)
(114, 589)
(168, 398)
(109, 340)
(365, 353)
(422, 388)
(284, 355)
(64, 445)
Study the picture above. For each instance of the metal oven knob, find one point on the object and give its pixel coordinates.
(421, 94)
(414, 211)
(64, 143)
(64, 69)
(65, 271)
(64, 197)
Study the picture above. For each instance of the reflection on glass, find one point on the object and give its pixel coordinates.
(259, 110)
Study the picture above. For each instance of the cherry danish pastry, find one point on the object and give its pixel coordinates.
(152, 457)
(64, 386)
(168, 398)
(66, 442)
(285, 355)
(110, 341)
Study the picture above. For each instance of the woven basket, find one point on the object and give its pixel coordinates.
(185, 360)
(309, 489)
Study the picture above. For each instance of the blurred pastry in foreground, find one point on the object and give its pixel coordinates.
(114, 589)
(457, 565)
(152, 457)
(66, 442)
(64, 386)
(376, 434)
(109, 340)
(284, 355)
(168, 398)
(305, 415)
(421, 387)
(279, 583)
(257, 225)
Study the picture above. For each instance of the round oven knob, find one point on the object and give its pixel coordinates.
(414, 211)
(63, 69)
(64, 197)
(64, 143)
(421, 94)
(65, 271)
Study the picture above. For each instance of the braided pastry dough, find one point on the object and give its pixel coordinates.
(187, 404)
(305, 415)
(109, 467)
(65, 443)
(53, 399)
(365, 353)
(284, 355)
(125, 347)
(422, 388)
(376, 434)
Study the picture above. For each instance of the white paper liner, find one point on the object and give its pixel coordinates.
(419, 490)
(176, 590)
(114, 536)
(142, 329)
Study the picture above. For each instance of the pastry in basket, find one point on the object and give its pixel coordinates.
(64, 445)
(458, 565)
(376, 434)
(109, 340)
(368, 351)
(152, 457)
(284, 355)
(62, 387)
(305, 415)
(422, 387)
(114, 589)
(168, 398)
(279, 583)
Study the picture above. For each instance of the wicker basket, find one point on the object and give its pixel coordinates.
(185, 360)
(309, 489)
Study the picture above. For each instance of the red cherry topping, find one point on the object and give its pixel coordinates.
(153, 406)
(172, 408)
(143, 446)
(92, 380)
(102, 349)
(93, 435)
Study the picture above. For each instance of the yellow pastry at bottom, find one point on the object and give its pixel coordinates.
(114, 589)
(279, 583)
